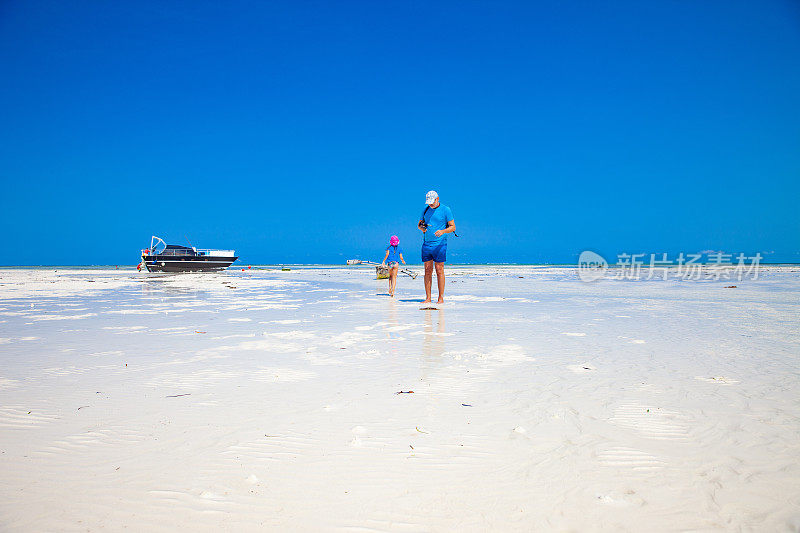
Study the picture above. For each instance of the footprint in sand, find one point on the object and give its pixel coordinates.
(357, 431)
(582, 369)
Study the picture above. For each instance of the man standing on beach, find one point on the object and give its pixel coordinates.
(435, 223)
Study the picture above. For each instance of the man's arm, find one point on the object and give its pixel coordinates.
(451, 227)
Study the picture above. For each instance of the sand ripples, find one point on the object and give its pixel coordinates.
(650, 422)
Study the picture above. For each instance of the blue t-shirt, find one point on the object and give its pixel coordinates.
(394, 254)
(436, 219)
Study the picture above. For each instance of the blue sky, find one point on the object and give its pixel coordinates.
(310, 131)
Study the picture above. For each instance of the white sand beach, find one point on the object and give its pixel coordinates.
(268, 400)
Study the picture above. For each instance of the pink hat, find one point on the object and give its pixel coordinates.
(394, 240)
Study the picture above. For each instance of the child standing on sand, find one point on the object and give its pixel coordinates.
(394, 255)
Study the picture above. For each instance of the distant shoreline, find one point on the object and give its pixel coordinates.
(333, 265)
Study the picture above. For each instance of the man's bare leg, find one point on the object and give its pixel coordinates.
(440, 281)
(428, 280)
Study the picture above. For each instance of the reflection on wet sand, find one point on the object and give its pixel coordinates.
(393, 322)
(433, 345)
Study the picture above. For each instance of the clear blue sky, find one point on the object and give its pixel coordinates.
(307, 131)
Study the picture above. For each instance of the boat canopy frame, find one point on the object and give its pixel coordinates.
(154, 243)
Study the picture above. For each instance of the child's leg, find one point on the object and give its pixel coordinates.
(392, 280)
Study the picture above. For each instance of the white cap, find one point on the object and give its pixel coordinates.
(431, 197)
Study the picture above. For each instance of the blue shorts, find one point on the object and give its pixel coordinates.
(436, 253)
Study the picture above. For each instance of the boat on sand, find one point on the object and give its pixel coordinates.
(163, 257)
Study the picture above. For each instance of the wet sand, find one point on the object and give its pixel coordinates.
(244, 401)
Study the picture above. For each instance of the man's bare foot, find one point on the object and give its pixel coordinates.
(427, 301)
(440, 300)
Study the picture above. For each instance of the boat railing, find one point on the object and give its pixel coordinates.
(170, 251)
